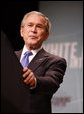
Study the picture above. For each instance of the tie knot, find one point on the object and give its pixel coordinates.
(28, 53)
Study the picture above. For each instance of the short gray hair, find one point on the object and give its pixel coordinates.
(47, 23)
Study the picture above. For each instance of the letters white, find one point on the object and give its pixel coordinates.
(68, 50)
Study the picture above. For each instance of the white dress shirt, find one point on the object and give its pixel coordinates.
(31, 56)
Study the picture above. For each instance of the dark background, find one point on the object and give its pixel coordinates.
(12, 13)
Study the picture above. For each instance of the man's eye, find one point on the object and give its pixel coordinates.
(29, 25)
(39, 26)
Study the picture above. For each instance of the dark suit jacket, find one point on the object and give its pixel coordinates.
(49, 71)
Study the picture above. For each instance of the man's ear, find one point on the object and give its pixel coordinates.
(47, 35)
(21, 32)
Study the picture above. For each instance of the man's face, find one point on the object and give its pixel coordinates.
(34, 31)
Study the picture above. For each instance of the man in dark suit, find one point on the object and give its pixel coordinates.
(44, 73)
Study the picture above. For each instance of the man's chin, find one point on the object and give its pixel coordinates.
(32, 46)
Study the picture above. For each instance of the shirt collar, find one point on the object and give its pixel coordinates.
(33, 51)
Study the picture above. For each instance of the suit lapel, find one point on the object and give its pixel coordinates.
(37, 60)
(18, 54)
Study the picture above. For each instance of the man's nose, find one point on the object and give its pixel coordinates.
(34, 29)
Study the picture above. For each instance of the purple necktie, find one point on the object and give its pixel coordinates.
(25, 59)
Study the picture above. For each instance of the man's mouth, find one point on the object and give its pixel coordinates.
(33, 37)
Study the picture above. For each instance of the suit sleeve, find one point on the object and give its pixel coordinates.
(50, 82)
